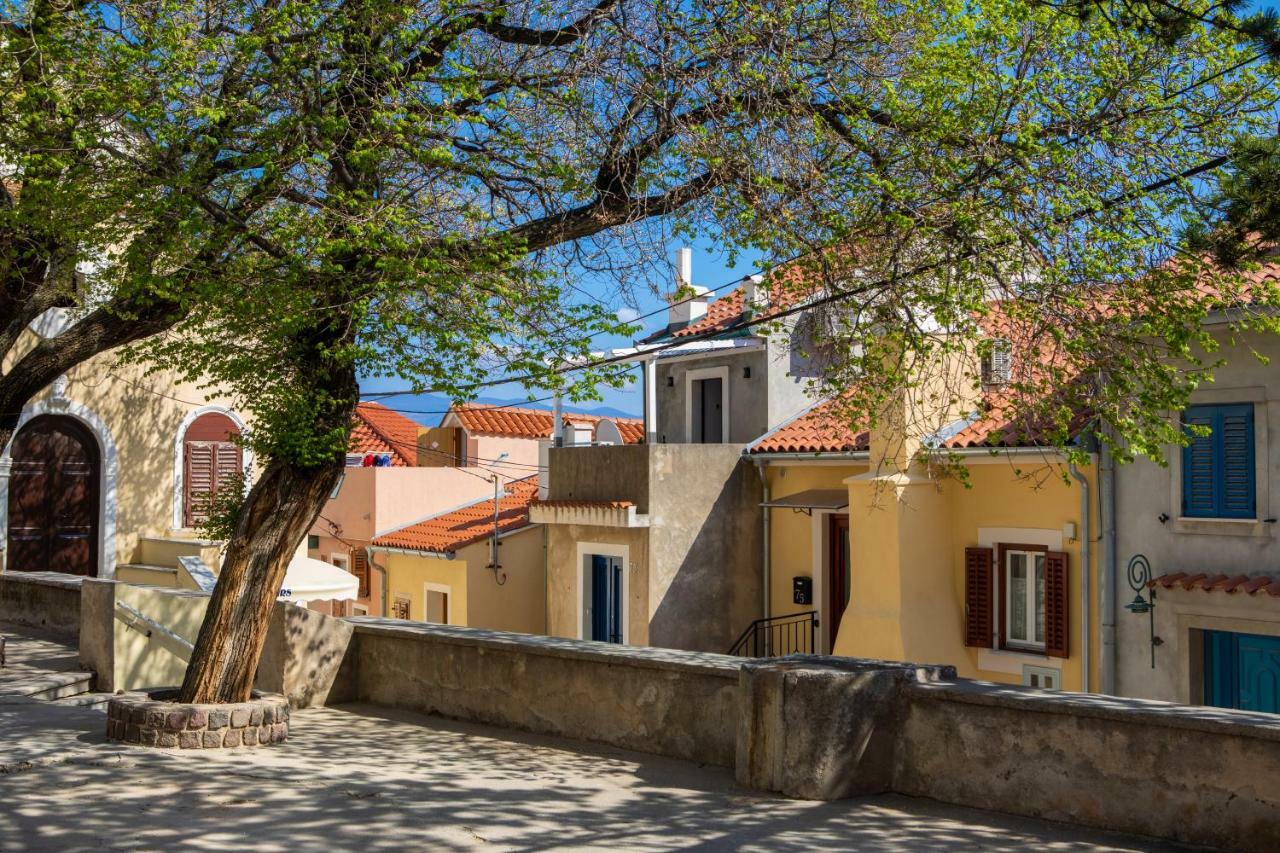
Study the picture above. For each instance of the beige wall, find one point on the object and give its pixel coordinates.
(476, 599)
(136, 418)
(564, 568)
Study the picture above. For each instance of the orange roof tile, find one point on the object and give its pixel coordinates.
(785, 289)
(818, 430)
(467, 525)
(515, 422)
(1248, 584)
(382, 430)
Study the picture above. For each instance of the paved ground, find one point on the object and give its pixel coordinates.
(360, 777)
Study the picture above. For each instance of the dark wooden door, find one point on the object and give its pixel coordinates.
(53, 498)
(838, 574)
(211, 458)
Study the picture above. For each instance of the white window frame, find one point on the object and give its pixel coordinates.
(345, 565)
(691, 376)
(1009, 640)
(586, 550)
(430, 587)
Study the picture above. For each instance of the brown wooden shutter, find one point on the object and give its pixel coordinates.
(199, 478)
(977, 597)
(229, 464)
(360, 568)
(1056, 610)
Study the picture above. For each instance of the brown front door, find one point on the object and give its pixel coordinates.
(53, 498)
(211, 459)
(838, 575)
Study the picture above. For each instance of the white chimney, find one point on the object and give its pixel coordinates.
(686, 308)
(754, 297)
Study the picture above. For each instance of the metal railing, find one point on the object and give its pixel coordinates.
(793, 634)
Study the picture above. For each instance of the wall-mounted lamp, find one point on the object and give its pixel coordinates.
(1140, 580)
(671, 382)
(746, 373)
(1163, 517)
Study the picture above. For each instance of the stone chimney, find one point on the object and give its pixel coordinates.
(755, 297)
(686, 307)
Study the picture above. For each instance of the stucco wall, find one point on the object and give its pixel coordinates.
(907, 539)
(748, 399)
(616, 473)
(1145, 490)
(564, 576)
(668, 703)
(136, 418)
(47, 600)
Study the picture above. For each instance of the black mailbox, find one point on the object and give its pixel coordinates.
(802, 589)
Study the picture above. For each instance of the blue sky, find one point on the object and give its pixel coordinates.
(711, 269)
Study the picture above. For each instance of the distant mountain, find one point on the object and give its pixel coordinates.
(428, 409)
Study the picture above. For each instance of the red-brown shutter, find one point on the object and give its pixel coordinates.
(229, 464)
(199, 477)
(360, 568)
(977, 597)
(1056, 610)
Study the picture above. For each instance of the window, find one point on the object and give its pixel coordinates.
(997, 363)
(1027, 585)
(341, 561)
(360, 568)
(1023, 596)
(437, 598)
(602, 596)
(1218, 469)
(313, 542)
(400, 607)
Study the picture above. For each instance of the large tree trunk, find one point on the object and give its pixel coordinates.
(278, 512)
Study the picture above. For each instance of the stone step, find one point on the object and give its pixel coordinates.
(152, 575)
(93, 701)
(42, 684)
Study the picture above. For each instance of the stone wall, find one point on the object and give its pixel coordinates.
(679, 704)
(48, 600)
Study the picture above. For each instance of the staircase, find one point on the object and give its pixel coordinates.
(180, 560)
(41, 667)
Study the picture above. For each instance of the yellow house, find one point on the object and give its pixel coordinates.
(901, 562)
(481, 565)
(108, 471)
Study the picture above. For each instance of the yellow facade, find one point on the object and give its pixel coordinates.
(476, 598)
(907, 538)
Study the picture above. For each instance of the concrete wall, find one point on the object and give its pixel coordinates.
(1145, 490)
(697, 581)
(47, 600)
(748, 399)
(668, 703)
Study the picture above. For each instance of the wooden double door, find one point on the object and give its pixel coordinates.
(54, 497)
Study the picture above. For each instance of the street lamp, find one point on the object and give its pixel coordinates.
(1140, 580)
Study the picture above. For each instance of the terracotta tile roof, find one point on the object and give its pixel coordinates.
(999, 424)
(382, 430)
(785, 286)
(1249, 584)
(585, 504)
(514, 422)
(467, 525)
(817, 430)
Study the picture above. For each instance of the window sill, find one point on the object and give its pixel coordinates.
(1011, 661)
(1222, 526)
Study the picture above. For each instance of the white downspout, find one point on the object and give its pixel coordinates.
(1085, 571)
(1107, 590)
(557, 420)
(650, 400)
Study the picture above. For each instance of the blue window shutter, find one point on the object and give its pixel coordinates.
(1218, 469)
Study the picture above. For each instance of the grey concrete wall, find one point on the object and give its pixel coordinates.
(48, 600)
(668, 703)
(303, 653)
(1145, 490)
(1197, 775)
(788, 395)
(705, 546)
(748, 398)
(611, 473)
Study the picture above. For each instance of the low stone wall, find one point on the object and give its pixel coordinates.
(48, 600)
(1194, 774)
(679, 704)
(138, 718)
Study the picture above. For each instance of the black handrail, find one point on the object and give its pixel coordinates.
(793, 634)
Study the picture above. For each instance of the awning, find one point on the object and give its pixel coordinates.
(811, 499)
(309, 579)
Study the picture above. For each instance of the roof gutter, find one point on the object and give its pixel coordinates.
(765, 458)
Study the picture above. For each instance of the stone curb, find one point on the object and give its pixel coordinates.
(138, 718)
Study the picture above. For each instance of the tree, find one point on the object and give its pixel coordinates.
(404, 189)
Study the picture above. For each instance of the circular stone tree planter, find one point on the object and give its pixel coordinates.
(151, 719)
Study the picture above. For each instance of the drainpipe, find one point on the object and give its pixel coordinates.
(1107, 590)
(764, 484)
(382, 570)
(1084, 573)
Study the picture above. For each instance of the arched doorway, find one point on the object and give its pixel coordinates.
(211, 459)
(54, 497)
